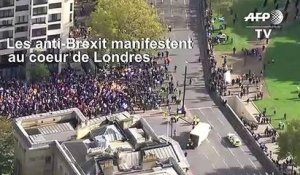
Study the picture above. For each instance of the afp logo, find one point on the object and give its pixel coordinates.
(276, 17)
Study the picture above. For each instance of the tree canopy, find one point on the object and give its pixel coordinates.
(38, 71)
(126, 20)
(289, 142)
(6, 146)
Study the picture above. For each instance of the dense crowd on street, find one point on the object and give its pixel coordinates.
(125, 87)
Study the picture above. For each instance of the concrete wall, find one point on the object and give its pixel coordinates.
(239, 108)
(34, 161)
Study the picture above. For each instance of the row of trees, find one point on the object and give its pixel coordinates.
(6, 146)
(289, 142)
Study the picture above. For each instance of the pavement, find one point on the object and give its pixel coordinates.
(215, 156)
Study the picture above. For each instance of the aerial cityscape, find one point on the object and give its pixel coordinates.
(149, 87)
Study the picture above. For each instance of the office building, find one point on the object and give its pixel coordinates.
(67, 143)
(31, 20)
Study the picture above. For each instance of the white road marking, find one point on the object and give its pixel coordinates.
(231, 152)
(221, 121)
(219, 135)
(206, 118)
(253, 164)
(205, 156)
(218, 117)
(225, 163)
(213, 165)
(171, 2)
(243, 149)
(172, 13)
(242, 166)
(199, 108)
(184, 3)
(215, 150)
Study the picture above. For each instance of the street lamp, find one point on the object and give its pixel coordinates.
(184, 85)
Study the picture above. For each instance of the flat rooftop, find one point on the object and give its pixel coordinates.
(118, 144)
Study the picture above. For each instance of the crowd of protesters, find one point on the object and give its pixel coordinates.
(125, 87)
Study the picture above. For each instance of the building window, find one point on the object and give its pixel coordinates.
(39, 32)
(3, 45)
(54, 17)
(71, 17)
(6, 13)
(31, 159)
(21, 29)
(6, 34)
(39, 11)
(6, 3)
(6, 23)
(21, 19)
(39, 2)
(21, 8)
(52, 37)
(48, 160)
(54, 27)
(55, 5)
(71, 7)
(21, 39)
(39, 20)
(60, 169)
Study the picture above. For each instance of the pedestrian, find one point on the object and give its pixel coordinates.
(274, 112)
(234, 50)
(170, 28)
(284, 116)
(185, 154)
(190, 81)
(174, 132)
(175, 68)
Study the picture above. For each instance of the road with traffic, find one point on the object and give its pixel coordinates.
(215, 156)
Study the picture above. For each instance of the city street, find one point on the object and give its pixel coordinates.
(215, 156)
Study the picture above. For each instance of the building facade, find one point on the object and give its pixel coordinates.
(31, 20)
(67, 143)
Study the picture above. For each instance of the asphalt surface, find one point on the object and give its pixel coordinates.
(215, 156)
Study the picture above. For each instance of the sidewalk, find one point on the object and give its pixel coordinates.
(267, 141)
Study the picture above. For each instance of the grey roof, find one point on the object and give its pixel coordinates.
(59, 132)
(78, 149)
(110, 132)
(163, 153)
(181, 159)
(128, 160)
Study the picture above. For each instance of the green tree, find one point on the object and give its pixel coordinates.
(38, 71)
(126, 20)
(289, 142)
(6, 146)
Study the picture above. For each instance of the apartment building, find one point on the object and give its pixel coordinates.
(67, 143)
(31, 20)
